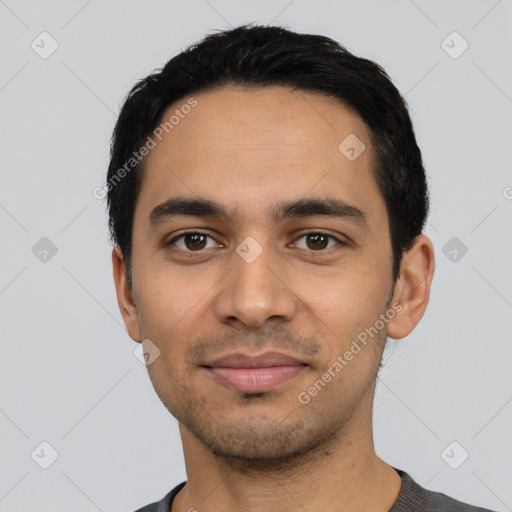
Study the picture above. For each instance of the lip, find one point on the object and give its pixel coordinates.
(255, 374)
(264, 360)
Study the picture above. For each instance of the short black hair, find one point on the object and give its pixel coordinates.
(261, 56)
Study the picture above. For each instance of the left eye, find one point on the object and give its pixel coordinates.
(318, 241)
(195, 241)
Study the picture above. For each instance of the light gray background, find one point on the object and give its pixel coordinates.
(68, 373)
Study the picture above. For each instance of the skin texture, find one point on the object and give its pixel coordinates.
(249, 150)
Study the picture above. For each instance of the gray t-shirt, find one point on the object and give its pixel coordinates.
(412, 498)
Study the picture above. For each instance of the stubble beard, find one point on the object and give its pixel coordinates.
(256, 444)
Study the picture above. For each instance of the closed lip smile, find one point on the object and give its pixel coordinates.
(254, 373)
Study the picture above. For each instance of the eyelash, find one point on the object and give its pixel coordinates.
(184, 233)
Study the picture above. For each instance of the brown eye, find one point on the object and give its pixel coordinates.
(195, 241)
(192, 241)
(318, 241)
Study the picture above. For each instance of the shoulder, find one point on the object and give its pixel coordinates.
(164, 505)
(413, 497)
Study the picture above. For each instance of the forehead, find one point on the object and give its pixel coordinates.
(247, 148)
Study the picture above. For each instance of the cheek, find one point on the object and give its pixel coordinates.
(348, 302)
(173, 307)
(163, 300)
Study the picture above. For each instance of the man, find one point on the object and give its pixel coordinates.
(267, 199)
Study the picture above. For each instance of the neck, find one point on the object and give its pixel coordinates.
(344, 474)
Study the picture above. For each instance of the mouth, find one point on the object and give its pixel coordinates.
(255, 374)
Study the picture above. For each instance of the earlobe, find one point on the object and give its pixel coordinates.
(125, 296)
(412, 288)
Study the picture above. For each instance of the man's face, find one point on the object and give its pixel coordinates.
(304, 285)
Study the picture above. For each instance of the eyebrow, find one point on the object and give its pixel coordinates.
(305, 207)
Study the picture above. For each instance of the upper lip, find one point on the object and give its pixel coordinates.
(267, 359)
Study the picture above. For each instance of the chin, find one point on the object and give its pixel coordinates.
(256, 444)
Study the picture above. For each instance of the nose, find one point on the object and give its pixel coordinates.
(255, 290)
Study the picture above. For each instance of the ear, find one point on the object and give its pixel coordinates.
(124, 296)
(412, 287)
